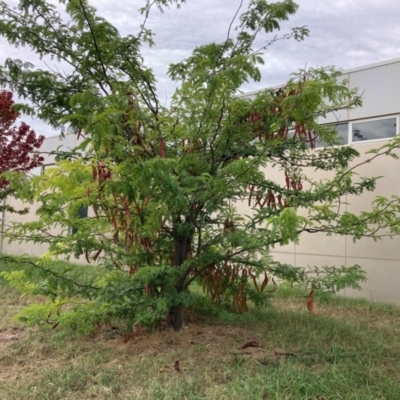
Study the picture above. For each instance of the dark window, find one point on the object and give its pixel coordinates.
(82, 213)
(342, 131)
(373, 130)
(47, 166)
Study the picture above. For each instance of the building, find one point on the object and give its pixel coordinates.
(365, 128)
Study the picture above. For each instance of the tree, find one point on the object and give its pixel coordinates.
(163, 182)
(17, 146)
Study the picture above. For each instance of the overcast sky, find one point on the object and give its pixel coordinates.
(344, 33)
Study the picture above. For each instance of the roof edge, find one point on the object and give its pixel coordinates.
(374, 65)
(347, 71)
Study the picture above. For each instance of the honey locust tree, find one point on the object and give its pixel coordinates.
(162, 182)
(18, 147)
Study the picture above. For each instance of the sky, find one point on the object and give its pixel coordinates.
(343, 33)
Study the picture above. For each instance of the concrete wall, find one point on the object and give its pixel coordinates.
(380, 259)
(380, 87)
(50, 144)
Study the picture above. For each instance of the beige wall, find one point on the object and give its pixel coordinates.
(50, 144)
(380, 259)
(16, 247)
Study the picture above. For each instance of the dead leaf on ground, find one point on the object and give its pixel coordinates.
(279, 352)
(250, 343)
(10, 336)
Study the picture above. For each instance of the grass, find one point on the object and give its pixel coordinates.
(349, 350)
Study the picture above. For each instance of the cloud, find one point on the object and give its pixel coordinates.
(344, 33)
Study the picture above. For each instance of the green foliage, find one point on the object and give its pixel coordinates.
(141, 299)
(162, 182)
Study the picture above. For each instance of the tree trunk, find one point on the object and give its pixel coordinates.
(175, 317)
(181, 250)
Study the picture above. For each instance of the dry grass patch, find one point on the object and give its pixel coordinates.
(348, 350)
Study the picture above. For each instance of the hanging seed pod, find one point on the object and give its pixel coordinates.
(258, 200)
(251, 193)
(229, 226)
(114, 219)
(310, 140)
(310, 302)
(274, 288)
(264, 202)
(270, 200)
(127, 208)
(94, 173)
(162, 148)
(116, 265)
(299, 185)
(96, 256)
(287, 180)
(254, 281)
(265, 282)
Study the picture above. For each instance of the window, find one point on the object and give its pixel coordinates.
(365, 130)
(47, 166)
(37, 171)
(342, 131)
(82, 214)
(374, 129)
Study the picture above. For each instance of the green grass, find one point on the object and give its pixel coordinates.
(349, 350)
